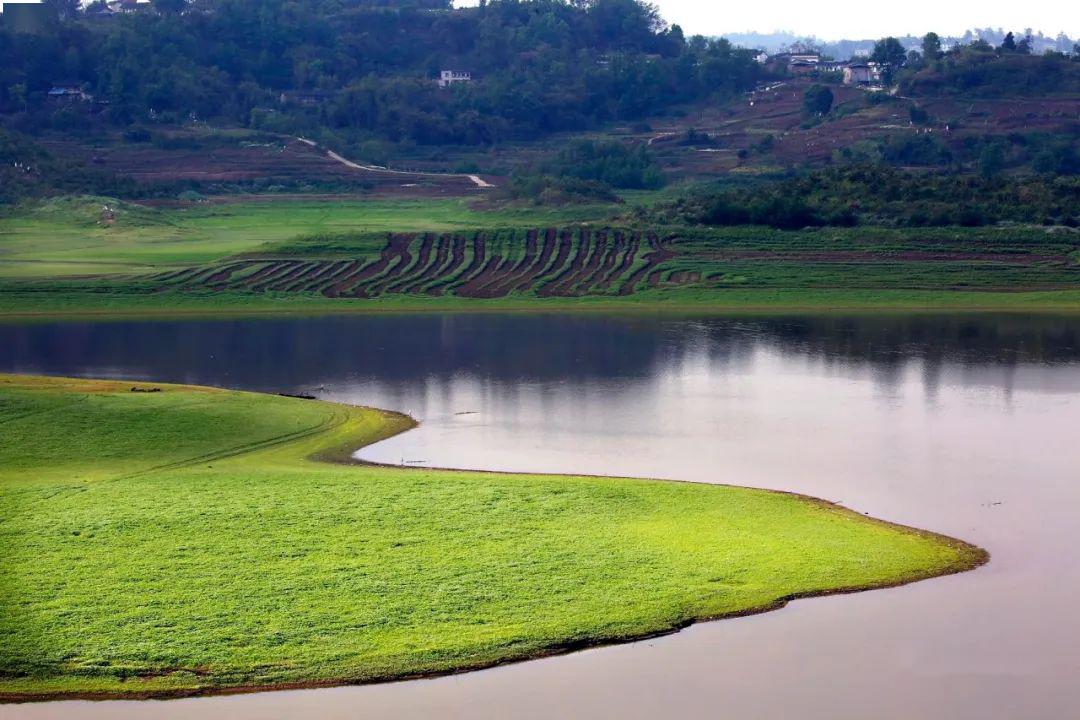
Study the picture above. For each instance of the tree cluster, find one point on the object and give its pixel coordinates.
(366, 68)
(878, 195)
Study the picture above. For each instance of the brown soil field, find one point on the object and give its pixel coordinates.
(587, 261)
(237, 161)
(552, 263)
(777, 110)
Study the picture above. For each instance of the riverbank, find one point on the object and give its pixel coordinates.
(46, 306)
(207, 547)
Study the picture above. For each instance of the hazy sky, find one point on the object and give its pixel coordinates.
(857, 19)
(835, 19)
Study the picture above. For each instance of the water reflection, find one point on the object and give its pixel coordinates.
(961, 424)
(294, 353)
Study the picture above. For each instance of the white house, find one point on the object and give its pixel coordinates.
(452, 77)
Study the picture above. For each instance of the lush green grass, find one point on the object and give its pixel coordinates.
(66, 236)
(197, 539)
(45, 305)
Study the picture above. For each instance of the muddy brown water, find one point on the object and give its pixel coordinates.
(965, 425)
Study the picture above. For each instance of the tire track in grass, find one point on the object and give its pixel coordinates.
(334, 420)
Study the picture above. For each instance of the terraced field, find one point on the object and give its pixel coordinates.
(551, 263)
(561, 265)
(584, 261)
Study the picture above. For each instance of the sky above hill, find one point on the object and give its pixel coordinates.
(857, 19)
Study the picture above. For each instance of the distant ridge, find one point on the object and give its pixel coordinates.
(847, 48)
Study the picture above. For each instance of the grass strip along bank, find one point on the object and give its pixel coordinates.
(165, 540)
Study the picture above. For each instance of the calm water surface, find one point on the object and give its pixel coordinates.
(963, 425)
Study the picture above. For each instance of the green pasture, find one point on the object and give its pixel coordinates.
(68, 236)
(192, 540)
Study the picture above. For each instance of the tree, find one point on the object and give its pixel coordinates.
(817, 100)
(1024, 46)
(19, 95)
(991, 160)
(64, 9)
(890, 54)
(1009, 43)
(931, 47)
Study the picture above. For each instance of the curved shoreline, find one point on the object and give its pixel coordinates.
(971, 556)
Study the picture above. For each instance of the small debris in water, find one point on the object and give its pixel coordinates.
(146, 390)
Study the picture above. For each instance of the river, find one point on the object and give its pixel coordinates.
(962, 424)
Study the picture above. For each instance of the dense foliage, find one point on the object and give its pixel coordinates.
(878, 195)
(979, 70)
(27, 169)
(356, 68)
(586, 171)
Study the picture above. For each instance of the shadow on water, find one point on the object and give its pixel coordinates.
(292, 353)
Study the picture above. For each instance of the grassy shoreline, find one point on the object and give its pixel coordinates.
(30, 306)
(212, 541)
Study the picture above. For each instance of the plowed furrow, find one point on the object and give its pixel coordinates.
(457, 259)
(596, 280)
(278, 269)
(270, 267)
(311, 282)
(435, 269)
(557, 286)
(540, 267)
(584, 280)
(629, 252)
(480, 279)
(344, 278)
(477, 263)
(502, 286)
(653, 260)
(417, 268)
(399, 249)
(221, 278)
(300, 271)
